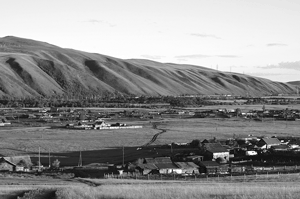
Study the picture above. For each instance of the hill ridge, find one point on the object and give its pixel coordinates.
(35, 68)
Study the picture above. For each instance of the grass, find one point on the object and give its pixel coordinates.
(170, 190)
(106, 145)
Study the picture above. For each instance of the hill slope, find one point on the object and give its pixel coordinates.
(33, 68)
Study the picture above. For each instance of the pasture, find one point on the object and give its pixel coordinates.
(106, 145)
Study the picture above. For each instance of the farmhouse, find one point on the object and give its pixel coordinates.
(267, 143)
(188, 167)
(210, 167)
(6, 165)
(216, 152)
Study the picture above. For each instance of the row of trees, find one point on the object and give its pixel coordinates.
(124, 101)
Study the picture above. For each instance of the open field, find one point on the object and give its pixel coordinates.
(285, 187)
(106, 145)
(169, 190)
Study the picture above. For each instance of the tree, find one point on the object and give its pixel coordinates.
(56, 164)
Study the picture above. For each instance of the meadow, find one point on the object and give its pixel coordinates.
(130, 189)
(106, 145)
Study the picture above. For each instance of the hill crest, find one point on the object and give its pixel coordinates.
(34, 68)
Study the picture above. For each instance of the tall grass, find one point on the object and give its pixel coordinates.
(185, 190)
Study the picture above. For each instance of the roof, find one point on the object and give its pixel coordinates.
(7, 161)
(158, 160)
(215, 147)
(270, 141)
(209, 163)
(166, 166)
(186, 165)
(147, 166)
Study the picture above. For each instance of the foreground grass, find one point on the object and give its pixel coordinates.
(190, 190)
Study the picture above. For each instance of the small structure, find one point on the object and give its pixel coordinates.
(213, 151)
(267, 143)
(6, 165)
(188, 167)
(209, 167)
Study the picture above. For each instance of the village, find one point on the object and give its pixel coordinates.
(235, 155)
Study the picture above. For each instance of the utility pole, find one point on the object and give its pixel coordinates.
(39, 158)
(80, 160)
(123, 155)
(49, 159)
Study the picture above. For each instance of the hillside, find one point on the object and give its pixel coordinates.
(33, 68)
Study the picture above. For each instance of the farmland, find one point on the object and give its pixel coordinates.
(98, 145)
(283, 188)
(153, 140)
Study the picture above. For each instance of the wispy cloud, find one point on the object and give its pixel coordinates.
(283, 65)
(155, 57)
(276, 44)
(228, 56)
(96, 21)
(201, 56)
(194, 56)
(205, 35)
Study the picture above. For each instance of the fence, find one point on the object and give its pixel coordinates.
(286, 173)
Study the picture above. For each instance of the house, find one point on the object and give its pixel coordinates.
(168, 168)
(280, 148)
(267, 143)
(216, 152)
(6, 165)
(188, 167)
(20, 163)
(162, 165)
(211, 167)
(147, 168)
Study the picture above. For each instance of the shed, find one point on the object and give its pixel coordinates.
(212, 167)
(147, 168)
(188, 167)
(6, 165)
(266, 143)
(168, 168)
(215, 150)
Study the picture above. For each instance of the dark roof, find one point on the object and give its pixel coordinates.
(7, 161)
(209, 163)
(215, 147)
(158, 160)
(186, 165)
(270, 141)
(166, 166)
(147, 166)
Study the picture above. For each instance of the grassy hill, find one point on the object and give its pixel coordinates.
(34, 68)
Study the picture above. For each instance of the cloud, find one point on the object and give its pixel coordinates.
(283, 65)
(194, 56)
(275, 44)
(201, 56)
(96, 21)
(152, 56)
(205, 35)
(228, 56)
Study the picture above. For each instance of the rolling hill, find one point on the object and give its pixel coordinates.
(34, 68)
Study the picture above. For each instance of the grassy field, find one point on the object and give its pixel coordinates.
(130, 189)
(106, 145)
(285, 187)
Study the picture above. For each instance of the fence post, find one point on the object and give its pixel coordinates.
(218, 178)
(230, 177)
(206, 177)
(278, 174)
(160, 177)
(195, 177)
(148, 176)
(244, 177)
(267, 174)
(174, 176)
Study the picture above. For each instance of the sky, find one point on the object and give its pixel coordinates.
(255, 37)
